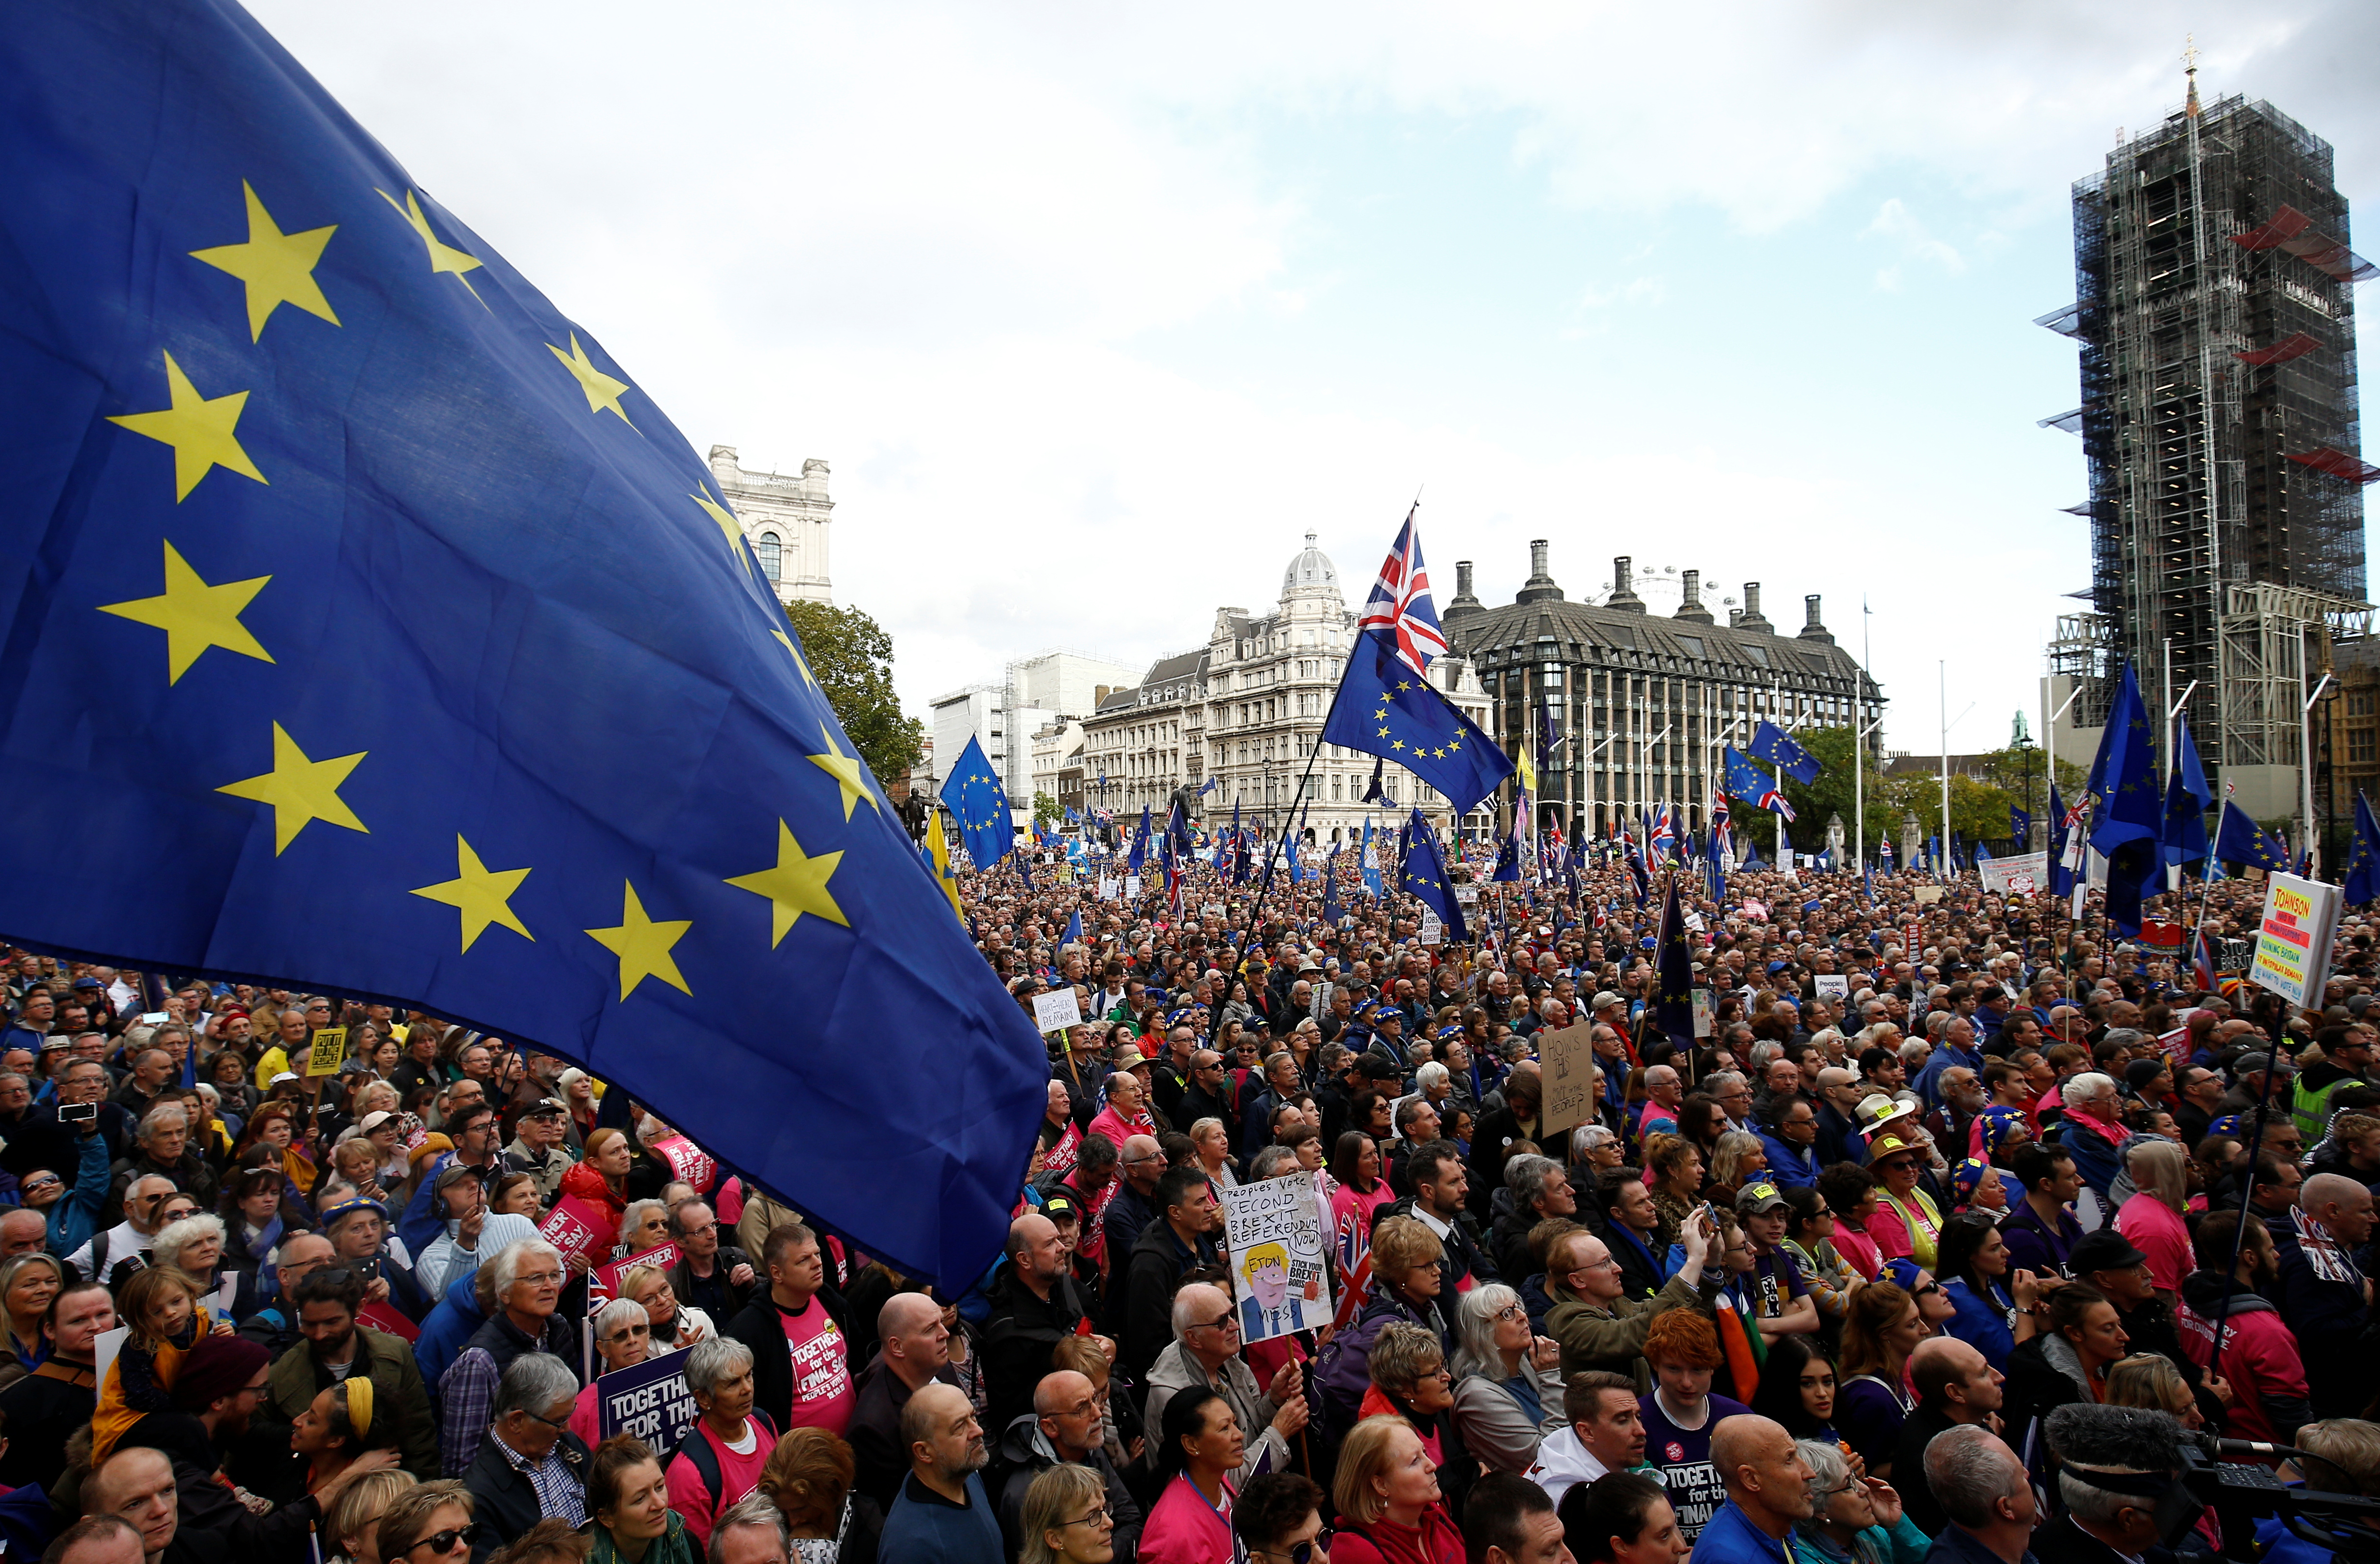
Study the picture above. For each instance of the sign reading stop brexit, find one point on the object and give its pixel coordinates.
(2293, 939)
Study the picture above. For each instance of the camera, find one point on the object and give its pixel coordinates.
(2230, 1475)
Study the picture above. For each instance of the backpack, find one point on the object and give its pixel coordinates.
(705, 1460)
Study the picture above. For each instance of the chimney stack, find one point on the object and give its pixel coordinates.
(1462, 578)
(1624, 587)
(1812, 627)
(1752, 618)
(1693, 609)
(1539, 587)
(1462, 604)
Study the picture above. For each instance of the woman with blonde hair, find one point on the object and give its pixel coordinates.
(28, 1282)
(1673, 1166)
(351, 1520)
(1066, 1519)
(674, 1325)
(2151, 1221)
(808, 1479)
(1389, 1504)
(1734, 1160)
(1881, 1329)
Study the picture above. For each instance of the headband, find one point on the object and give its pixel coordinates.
(359, 1387)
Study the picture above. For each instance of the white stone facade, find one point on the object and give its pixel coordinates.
(785, 520)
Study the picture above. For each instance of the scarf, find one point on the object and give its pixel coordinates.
(267, 1239)
(2329, 1259)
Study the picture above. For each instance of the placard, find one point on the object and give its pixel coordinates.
(1132, 887)
(1913, 940)
(1108, 888)
(2293, 939)
(575, 1228)
(650, 1400)
(330, 1051)
(1433, 929)
(1280, 1270)
(389, 1321)
(1704, 1023)
(603, 1281)
(1831, 986)
(2027, 874)
(687, 1160)
(1467, 894)
(1566, 1059)
(1926, 895)
(1056, 1010)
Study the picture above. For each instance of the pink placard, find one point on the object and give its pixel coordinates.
(603, 1281)
(687, 1160)
(575, 1228)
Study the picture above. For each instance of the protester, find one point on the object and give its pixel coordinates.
(808, 1480)
(942, 1515)
(529, 1466)
(627, 1503)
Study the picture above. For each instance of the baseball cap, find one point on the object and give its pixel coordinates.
(455, 1172)
(284, 1075)
(1606, 998)
(1758, 1196)
(374, 1119)
(1056, 1206)
(2106, 1250)
(544, 1107)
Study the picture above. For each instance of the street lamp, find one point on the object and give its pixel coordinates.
(2022, 743)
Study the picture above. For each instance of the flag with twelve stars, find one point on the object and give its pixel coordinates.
(365, 627)
(1384, 707)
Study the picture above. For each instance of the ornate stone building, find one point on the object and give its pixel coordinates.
(785, 520)
(1246, 710)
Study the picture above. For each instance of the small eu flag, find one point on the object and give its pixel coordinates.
(1673, 1006)
(2238, 839)
(2187, 799)
(2363, 880)
(1384, 707)
(1139, 857)
(355, 582)
(1774, 744)
(987, 830)
(1754, 786)
(2020, 827)
(1424, 875)
(2128, 808)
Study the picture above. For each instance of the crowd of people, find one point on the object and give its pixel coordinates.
(1956, 1221)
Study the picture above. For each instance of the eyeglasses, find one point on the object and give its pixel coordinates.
(1300, 1553)
(446, 1542)
(1098, 1517)
(539, 1278)
(557, 1426)
(629, 1332)
(1220, 1322)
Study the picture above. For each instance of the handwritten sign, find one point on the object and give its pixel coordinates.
(1132, 887)
(1705, 1022)
(1433, 930)
(650, 1400)
(2293, 939)
(575, 1228)
(1567, 1058)
(687, 1160)
(1280, 1270)
(1056, 1010)
(603, 1281)
(330, 1051)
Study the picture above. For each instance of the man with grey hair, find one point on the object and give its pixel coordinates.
(750, 1530)
(1205, 1350)
(1985, 1495)
(1540, 1187)
(530, 1466)
(113, 1253)
(1733, 1094)
(1140, 1163)
(1272, 1162)
(161, 1146)
(2114, 1466)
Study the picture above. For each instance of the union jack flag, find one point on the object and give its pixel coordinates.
(1772, 798)
(1720, 818)
(2202, 964)
(1401, 603)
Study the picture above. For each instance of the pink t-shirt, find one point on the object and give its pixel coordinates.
(738, 1476)
(821, 1366)
(2156, 1229)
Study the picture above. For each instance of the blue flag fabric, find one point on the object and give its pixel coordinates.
(2187, 799)
(1748, 783)
(1713, 866)
(1424, 875)
(1074, 934)
(2363, 880)
(980, 805)
(1384, 707)
(1508, 855)
(1774, 744)
(1370, 864)
(2061, 879)
(1331, 912)
(2238, 839)
(304, 485)
(1139, 857)
(2127, 807)
(1673, 1004)
(2020, 827)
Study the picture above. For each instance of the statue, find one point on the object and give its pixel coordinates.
(1912, 840)
(1835, 838)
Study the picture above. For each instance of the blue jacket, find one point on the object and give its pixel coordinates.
(1981, 1323)
(75, 1217)
(448, 1327)
(2095, 1157)
(1730, 1537)
(1787, 1166)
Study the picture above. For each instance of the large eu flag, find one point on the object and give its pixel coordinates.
(2128, 808)
(977, 801)
(1774, 744)
(2187, 799)
(1385, 707)
(2238, 839)
(365, 626)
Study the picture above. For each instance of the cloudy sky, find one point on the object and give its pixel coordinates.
(1095, 310)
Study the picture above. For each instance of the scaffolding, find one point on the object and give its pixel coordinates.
(2277, 643)
(2217, 355)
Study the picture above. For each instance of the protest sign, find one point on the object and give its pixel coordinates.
(388, 1321)
(2024, 875)
(687, 1160)
(650, 1400)
(1433, 930)
(1832, 986)
(575, 1228)
(1108, 888)
(1926, 895)
(1912, 939)
(603, 1281)
(1567, 1060)
(2293, 939)
(1704, 1023)
(1056, 1010)
(1281, 1273)
(330, 1051)
(1132, 887)
(1467, 894)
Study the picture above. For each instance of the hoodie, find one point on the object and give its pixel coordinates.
(1562, 1462)
(2260, 1356)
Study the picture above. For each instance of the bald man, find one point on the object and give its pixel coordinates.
(1064, 1426)
(1768, 1490)
(1956, 1386)
(137, 1487)
(915, 1349)
(941, 1515)
(2323, 1298)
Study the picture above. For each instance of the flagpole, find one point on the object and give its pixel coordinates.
(1264, 886)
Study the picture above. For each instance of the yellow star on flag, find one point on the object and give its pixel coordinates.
(442, 257)
(847, 771)
(200, 429)
(796, 885)
(483, 895)
(300, 790)
(195, 615)
(795, 652)
(278, 268)
(643, 945)
(603, 390)
(726, 520)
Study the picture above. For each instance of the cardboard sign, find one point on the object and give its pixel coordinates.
(1280, 1268)
(687, 1160)
(1132, 887)
(2293, 939)
(1704, 1024)
(1056, 1010)
(1926, 895)
(1433, 929)
(1832, 986)
(603, 1281)
(575, 1228)
(330, 1051)
(651, 1401)
(104, 1348)
(1567, 1062)
(2027, 874)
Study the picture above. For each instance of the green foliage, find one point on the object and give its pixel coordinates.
(1830, 794)
(851, 657)
(1046, 811)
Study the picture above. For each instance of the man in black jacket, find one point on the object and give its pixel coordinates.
(1491, 1142)
(531, 1467)
(1441, 1183)
(1035, 1304)
(798, 1316)
(915, 1349)
(1955, 1385)
(716, 1278)
(1182, 1237)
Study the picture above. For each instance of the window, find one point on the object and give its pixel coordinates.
(2359, 703)
(772, 555)
(2361, 749)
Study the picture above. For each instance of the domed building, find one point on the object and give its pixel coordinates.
(1247, 712)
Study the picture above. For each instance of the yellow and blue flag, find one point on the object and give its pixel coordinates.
(1423, 875)
(2361, 881)
(2127, 807)
(2238, 839)
(1774, 744)
(365, 625)
(1387, 707)
(977, 800)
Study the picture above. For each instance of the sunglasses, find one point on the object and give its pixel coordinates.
(1303, 1553)
(445, 1542)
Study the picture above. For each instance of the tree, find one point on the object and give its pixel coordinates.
(1045, 810)
(851, 657)
(1831, 795)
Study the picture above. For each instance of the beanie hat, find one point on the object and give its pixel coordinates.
(216, 1367)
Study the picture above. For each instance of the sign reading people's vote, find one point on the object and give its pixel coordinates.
(1280, 1270)
(603, 1281)
(650, 1400)
(1057, 1010)
(1567, 1062)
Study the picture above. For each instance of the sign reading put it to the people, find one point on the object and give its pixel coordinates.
(1280, 1270)
(1567, 1062)
(1057, 1010)
(330, 1051)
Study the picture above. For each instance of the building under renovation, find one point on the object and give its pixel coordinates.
(2215, 313)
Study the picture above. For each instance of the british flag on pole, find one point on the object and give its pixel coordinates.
(1401, 603)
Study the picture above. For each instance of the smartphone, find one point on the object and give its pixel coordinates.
(153, 1018)
(77, 1112)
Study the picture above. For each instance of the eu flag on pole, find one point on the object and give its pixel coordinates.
(367, 629)
(1385, 707)
(980, 803)
(2187, 799)
(2238, 839)
(1673, 1003)
(2363, 880)
(1331, 912)
(1424, 875)
(2020, 827)
(1139, 857)
(1074, 934)
(1750, 784)
(1774, 744)
(2127, 810)
(2061, 877)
